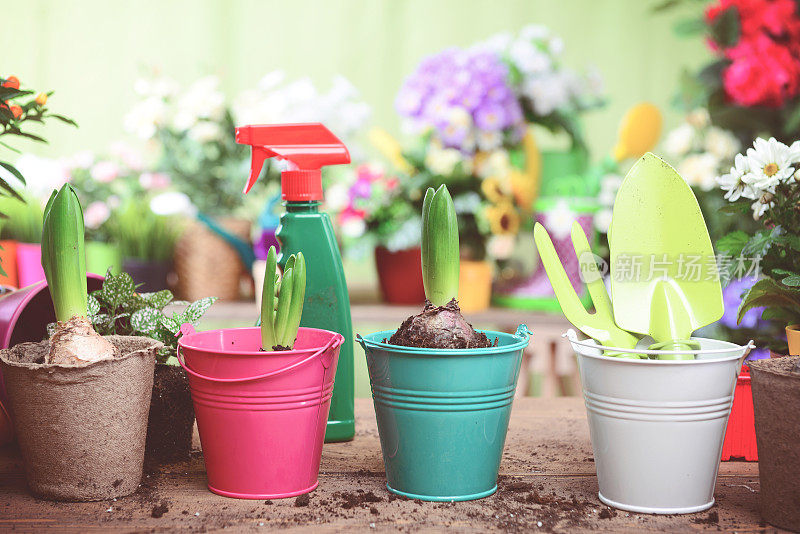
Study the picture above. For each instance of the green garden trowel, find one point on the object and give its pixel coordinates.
(664, 279)
(600, 325)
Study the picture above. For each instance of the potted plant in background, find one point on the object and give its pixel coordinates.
(118, 308)
(763, 181)
(146, 242)
(442, 390)
(472, 137)
(92, 446)
(371, 210)
(194, 130)
(22, 233)
(18, 106)
(263, 393)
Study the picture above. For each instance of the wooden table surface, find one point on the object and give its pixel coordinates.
(547, 483)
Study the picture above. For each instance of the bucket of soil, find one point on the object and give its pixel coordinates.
(81, 428)
(776, 398)
(443, 413)
(261, 414)
(171, 421)
(657, 426)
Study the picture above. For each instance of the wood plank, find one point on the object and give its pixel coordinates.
(547, 477)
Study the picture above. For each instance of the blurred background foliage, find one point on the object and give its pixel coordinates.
(92, 51)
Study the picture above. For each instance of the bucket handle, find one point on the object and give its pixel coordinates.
(330, 345)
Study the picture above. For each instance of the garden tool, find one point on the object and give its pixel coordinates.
(600, 325)
(664, 279)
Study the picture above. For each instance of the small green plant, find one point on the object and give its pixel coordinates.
(24, 222)
(117, 309)
(282, 301)
(74, 341)
(144, 235)
(440, 258)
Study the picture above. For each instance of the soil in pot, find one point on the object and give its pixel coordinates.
(81, 429)
(776, 398)
(169, 428)
(439, 327)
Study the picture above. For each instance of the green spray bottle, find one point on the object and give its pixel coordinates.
(305, 148)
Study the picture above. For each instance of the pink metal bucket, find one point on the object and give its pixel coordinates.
(261, 415)
(29, 264)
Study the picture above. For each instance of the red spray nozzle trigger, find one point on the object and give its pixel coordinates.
(307, 147)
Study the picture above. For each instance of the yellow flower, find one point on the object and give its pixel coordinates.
(503, 218)
(41, 99)
(493, 189)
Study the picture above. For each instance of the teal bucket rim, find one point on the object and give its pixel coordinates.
(522, 335)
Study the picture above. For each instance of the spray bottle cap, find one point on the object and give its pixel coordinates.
(305, 147)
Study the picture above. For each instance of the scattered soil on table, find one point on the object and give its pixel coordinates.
(160, 510)
(169, 428)
(302, 500)
(439, 327)
(711, 519)
(358, 499)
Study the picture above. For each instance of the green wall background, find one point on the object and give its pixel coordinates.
(91, 51)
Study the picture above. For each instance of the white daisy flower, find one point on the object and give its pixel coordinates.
(700, 170)
(680, 140)
(770, 163)
(761, 205)
(721, 143)
(738, 182)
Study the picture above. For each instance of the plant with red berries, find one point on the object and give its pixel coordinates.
(18, 106)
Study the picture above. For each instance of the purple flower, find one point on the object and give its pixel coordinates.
(361, 189)
(732, 298)
(461, 94)
(490, 116)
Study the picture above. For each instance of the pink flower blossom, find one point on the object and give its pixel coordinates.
(105, 171)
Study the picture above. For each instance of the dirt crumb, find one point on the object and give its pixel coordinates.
(607, 513)
(302, 500)
(159, 510)
(711, 519)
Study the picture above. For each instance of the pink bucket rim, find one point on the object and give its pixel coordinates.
(186, 340)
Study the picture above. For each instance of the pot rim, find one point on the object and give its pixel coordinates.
(522, 335)
(736, 352)
(153, 345)
(32, 291)
(182, 343)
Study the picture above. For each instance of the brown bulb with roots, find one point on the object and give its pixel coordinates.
(439, 327)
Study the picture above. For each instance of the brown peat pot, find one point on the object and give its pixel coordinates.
(81, 430)
(776, 401)
(171, 421)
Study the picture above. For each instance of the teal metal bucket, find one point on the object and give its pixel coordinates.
(443, 413)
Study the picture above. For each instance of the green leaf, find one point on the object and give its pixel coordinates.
(733, 243)
(792, 280)
(13, 170)
(760, 243)
(93, 306)
(145, 320)
(689, 27)
(159, 299)
(440, 253)
(197, 308)
(63, 119)
(169, 323)
(725, 28)
(766, 292)
(118, 289)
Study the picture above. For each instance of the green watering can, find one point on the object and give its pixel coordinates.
(664, 279)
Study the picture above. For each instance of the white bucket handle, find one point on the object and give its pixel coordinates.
(330, 345)
(572, 336)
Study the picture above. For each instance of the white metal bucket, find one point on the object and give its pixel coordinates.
(657, 426)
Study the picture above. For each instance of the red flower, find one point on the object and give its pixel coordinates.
(762, 73)
(778, 18)
(16, 111)
(12, 82)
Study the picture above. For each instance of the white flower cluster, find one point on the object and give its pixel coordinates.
(757, 174)
(535, 54)
(700, 151)
(197, 111)
(276, 101)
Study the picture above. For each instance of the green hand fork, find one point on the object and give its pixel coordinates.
(600, 325)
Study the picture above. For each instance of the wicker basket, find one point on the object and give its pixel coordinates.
(206, 264)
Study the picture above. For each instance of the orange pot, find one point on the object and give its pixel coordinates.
(8, 259)
(793, 336)
(474, 285)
